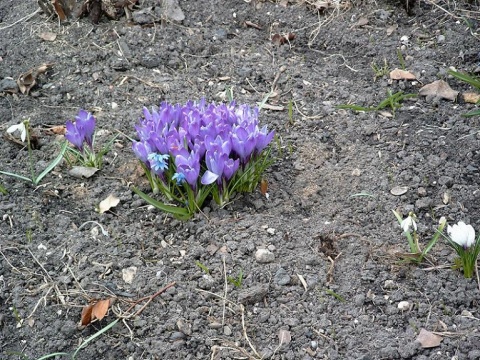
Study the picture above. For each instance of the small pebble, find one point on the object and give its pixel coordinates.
(264, 256)
(403, 305)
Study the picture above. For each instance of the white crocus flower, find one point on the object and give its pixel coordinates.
(20, 127)
(409, 222)
(462, 234)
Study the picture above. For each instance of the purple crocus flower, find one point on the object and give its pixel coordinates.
(81, 130)
(85, 123)
(230, 167)
(188, 164)
(243, 143)
(142, 150)
(263, 138)
(215, 162)
(74, 136)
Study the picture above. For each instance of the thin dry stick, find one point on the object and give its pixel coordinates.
(149, 300)
(245, 332)
(225, 289)
(25, 18)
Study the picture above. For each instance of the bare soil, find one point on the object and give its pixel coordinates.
(333, 286)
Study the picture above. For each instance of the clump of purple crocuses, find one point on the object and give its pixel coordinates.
(192, 151)
(81, 134)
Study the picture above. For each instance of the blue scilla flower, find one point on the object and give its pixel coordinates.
(179, 177)
(158, 162)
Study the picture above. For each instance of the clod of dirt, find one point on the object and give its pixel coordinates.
(254, 294)
(8, 85)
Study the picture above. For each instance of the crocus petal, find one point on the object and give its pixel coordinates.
(209, 177)
(73, 135)
(462, 234)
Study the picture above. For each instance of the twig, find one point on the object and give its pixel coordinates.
(330, 270)
(25, 18)
(149, 300)
(225, 289)
(245, 332)
(277, 77)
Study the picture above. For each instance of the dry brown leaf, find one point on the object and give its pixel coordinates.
(471, 98)
(428, 339)
(86, 317)
(57, 130)
(278, 39)
(284, 337)
(100, 309)
(391, 29)
(27, 80)
(439, 88)
(264, 187)
(110, 202)
(398, 74)
(361, 22)
(48, 36)
(59, 9)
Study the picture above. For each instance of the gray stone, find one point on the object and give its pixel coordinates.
(281, 277)
(264, 256)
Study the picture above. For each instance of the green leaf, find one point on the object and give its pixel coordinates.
(472, 80)
(21, 177)
(179, 212)
(52, 165)
(53, 355)
(94, 336)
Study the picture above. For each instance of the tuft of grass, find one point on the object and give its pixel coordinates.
(3, 190)
(236, 281)
(335, 295)
(380, 71)
(471, 80)
(205, 269)
(392, 101)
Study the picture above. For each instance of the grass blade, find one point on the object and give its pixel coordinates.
(52, 165)
(94, 336)
(174, 210)
(21, 177)
(53, 355)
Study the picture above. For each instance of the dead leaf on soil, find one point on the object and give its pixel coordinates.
(98, 310)
(361, 22)
(278, 39)
(110, 202)
(61, 8)
(284, 337)
(57, 130)
(48, 36)
(273, 107)
(471, 98)
(428, 339)
(398, 74)
(82, 172)
(264, 187)
(27, 80)
(439, 88)
(391, 29)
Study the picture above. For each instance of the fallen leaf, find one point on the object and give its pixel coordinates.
(273, 107)
(59, 9)
(278, 39)
(428, 339)
(446, 198)
(110, 202)
(439, 88)
(82, 172)
(48, 36)
(391, 29)
(398, 74)
(27, 80)
(361, 22)
(264, 187)
(57, 130)
(100, 309)
(471, 98)
(284, 337)
(86, 317)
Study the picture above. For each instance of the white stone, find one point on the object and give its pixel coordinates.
(264, 256)
(128, 274)
(403, 305)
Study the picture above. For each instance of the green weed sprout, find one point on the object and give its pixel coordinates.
(204, 268)
(81, 134)
(380, 71)
(393, 101)
(461, 238)
(236, 281)
(409, 227)
(24, 129)
(469, 79)
(3, 190)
